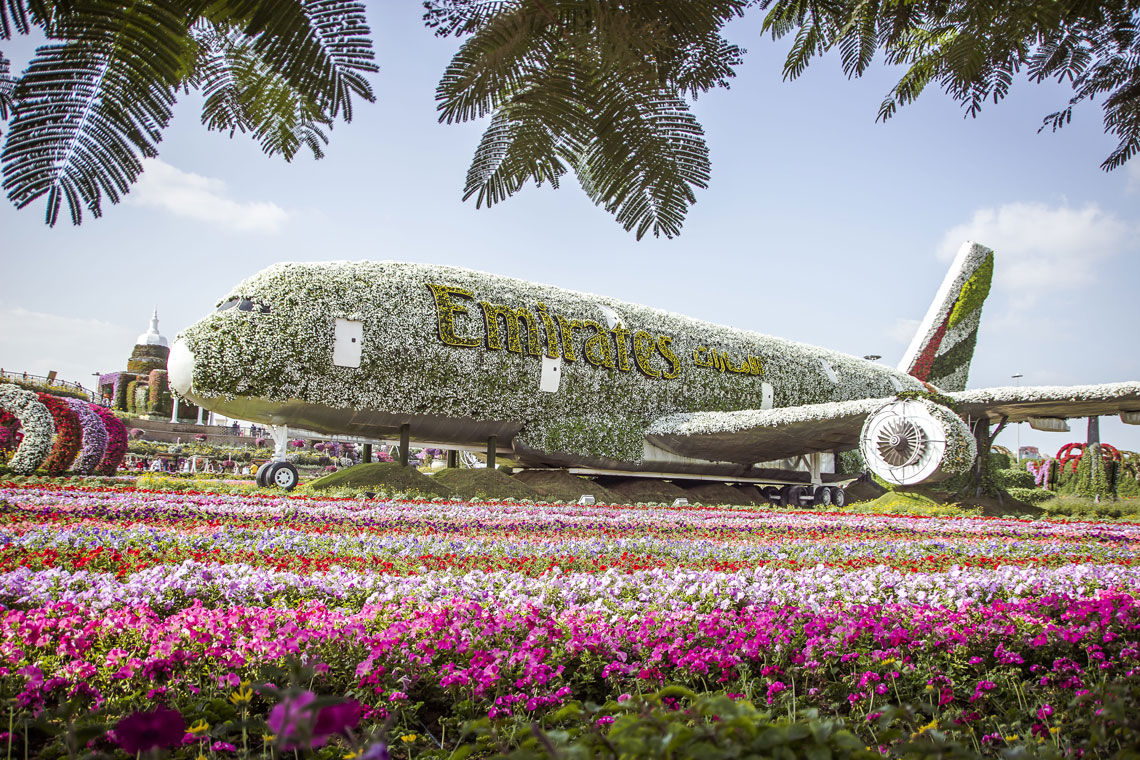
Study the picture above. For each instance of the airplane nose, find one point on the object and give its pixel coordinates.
(180, 367)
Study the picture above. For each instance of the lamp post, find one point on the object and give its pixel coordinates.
(95, 390)
(1017, 379)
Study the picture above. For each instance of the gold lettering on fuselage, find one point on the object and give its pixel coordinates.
(610, 349)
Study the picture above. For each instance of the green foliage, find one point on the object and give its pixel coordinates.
(1078, 508)
(972, 50)
(937, 398)
(388, 476)
(158, 400)
(594, 88)
(482, 483)
(850, 462)
(999, 460)
(131, 398)
(119, 401)
(1030, 495)
(95, 99)
(1091, 480)
(1013, 478)
(673, 723)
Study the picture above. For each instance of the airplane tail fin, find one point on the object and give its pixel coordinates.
(943, 347)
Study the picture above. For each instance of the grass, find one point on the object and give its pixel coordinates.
(386, 477)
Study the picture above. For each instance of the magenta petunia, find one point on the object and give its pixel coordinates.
(144, 731)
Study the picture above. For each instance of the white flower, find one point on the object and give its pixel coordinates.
(36, 424)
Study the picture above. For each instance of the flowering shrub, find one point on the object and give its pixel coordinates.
(94, 438)
(35, 423)
(116, 441)
(200, 437)
(67, 434)
(137, 433)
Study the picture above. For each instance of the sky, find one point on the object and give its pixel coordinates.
(819, 224)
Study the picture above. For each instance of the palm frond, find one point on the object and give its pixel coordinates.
(89, 106)
(319, 47)
(596, 87)
(243, 94)
(7, 84)
(455, 18)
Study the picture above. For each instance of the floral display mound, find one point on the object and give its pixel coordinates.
(483, 483)
(389, 477)
(191, 624)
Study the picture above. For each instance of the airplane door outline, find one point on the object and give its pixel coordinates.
(551, 377)
(348, 341)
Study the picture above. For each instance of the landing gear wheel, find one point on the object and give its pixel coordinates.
(794, 496)
(838, 497)
(772, 494)
(283, 475)
(262, 474)
(823, 496)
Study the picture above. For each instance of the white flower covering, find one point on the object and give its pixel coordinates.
(1009, 394)
(706, 423)
(286, 355)
(36, 424)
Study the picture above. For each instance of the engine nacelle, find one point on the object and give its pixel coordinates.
(912, 441)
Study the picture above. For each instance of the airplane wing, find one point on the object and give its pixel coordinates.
(1018, 404)
(762, 435)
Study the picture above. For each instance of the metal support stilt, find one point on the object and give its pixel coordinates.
(404, 439)
(491, 442)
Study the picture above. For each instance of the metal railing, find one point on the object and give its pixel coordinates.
(27, 377)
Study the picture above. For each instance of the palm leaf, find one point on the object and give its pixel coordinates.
(89, 106)
(319, 47)
(7, 84)
(243, 94)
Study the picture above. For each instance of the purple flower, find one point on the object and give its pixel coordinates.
(144, 731)
(293, 720)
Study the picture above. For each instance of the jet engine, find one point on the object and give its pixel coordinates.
(911, 441)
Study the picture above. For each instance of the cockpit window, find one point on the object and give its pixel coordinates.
(244, 304)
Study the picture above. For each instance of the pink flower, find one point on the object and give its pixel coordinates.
(144, 731)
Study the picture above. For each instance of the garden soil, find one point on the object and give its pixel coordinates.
(644, 490)
(559, 485)
(709, 492)
(483, 483)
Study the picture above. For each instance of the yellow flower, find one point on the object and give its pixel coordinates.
(243, 695)
(1055, 730)
(269, 738)
(200, 727)
(351, 755)
(889, 661)
(929, 687)
(408, 738)
(1012, 738)
(928, 726)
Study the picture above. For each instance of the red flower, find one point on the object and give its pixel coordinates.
(144, 731)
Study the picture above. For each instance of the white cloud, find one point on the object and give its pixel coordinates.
(37, 342)
(202, 198)
(903, 330)
(1042, 250)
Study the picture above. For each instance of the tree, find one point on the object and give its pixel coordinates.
(96, 98)
(600, 87)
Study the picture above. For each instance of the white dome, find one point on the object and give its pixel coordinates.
(152, 337)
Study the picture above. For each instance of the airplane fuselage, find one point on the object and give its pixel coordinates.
(558, 376)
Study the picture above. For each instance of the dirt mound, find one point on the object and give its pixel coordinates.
(389, 477)
(863, 490)
(751, 494)
(559, 485)
(483, 483)
(710, 492)
(644, 490)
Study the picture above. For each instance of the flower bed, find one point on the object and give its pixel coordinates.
(218, 619)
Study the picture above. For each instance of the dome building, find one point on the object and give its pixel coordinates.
(143, 389)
